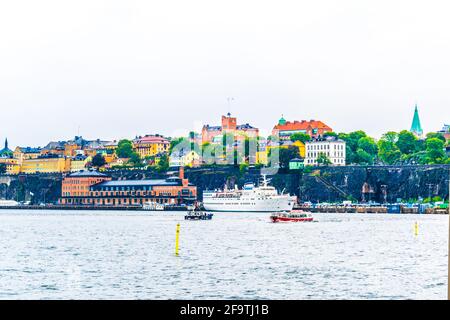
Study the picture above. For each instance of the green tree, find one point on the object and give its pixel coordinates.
(351, 139)
(124, 148)
(388, 151)
(407, 142)
(174, 142)
(330, 134)
(299, 136)
(436, 135)
(435, 153)
(135, 159)
(163, 164)
(364, 157)
(287, 154)
(98, 160)
(390, 136)
(2, 168)
(368, 145)
(322, 159)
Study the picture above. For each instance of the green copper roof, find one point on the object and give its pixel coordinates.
(416, 127)
(282, 121)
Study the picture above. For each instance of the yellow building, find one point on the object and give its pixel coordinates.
(150, 145)
(286, 144)
(79, 163)
(45, 165)
(22, 154)
(12, 165)
(190, 159)
(262, 157)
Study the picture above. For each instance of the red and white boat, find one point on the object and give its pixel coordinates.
(292, 216)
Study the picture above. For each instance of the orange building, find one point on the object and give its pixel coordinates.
(228, 126)
(313, 128)
(93, 188)
(77, 184)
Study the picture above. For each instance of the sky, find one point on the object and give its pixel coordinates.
(116, 69)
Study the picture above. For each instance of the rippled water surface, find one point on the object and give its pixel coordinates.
(118, 255)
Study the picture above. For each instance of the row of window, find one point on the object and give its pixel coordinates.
(316, 154)
(336, 161)
(339, 146)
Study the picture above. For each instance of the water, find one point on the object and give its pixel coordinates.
(124, 255)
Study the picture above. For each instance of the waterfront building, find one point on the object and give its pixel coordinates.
(416, 127)
(79, 162)
(445, 131)
(112, 145)
(45, 164)
(119, 162)
(285, 144)
(151, 145)
(12, 165)
(262, 157)
(296, 164)
(55, 148)
(331, 147)
(99, 190)
(77, 185)
(314, 128)
(184, 158)
(26, 153)
(214, 134)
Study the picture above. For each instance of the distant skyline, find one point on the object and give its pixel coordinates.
(117, 69)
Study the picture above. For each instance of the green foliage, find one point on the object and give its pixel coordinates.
(407, 142)
(287, 154)
(98, 160)
(174, 142)
(388, 151)
(2, 168)
(299, 136)
(322, 159)
(364, 157)
(330, 134)
(163, 164)
(436, 199)
(242, 168)
(124, 149)
(390, 136)
(135, 159)
(435, 151)
(436, 135)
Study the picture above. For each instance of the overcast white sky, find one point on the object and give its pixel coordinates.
(121, 68)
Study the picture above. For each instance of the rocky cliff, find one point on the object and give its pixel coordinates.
(326, 184)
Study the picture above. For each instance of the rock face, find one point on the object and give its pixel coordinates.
(326, 184)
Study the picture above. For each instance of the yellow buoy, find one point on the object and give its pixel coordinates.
(177, 239)
(416, 229)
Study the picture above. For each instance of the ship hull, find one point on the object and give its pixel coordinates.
(277, 204)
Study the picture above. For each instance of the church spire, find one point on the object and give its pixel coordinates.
(6, 144)
(416, 127)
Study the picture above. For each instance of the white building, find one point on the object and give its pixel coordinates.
(333, 148)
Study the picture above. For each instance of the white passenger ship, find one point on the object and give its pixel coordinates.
(263, 198)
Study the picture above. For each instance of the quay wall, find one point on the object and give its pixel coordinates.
(322, 184)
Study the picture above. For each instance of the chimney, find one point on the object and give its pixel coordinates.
(181, 173)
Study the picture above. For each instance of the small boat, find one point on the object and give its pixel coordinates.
(153, 206)
(198, 215)
(292, 216)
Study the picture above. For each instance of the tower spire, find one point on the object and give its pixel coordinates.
(416, 127)
(6, 143)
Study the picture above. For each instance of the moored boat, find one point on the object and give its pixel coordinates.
(153, 206)
(292, 216)
(252, 198)
(198, 215)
